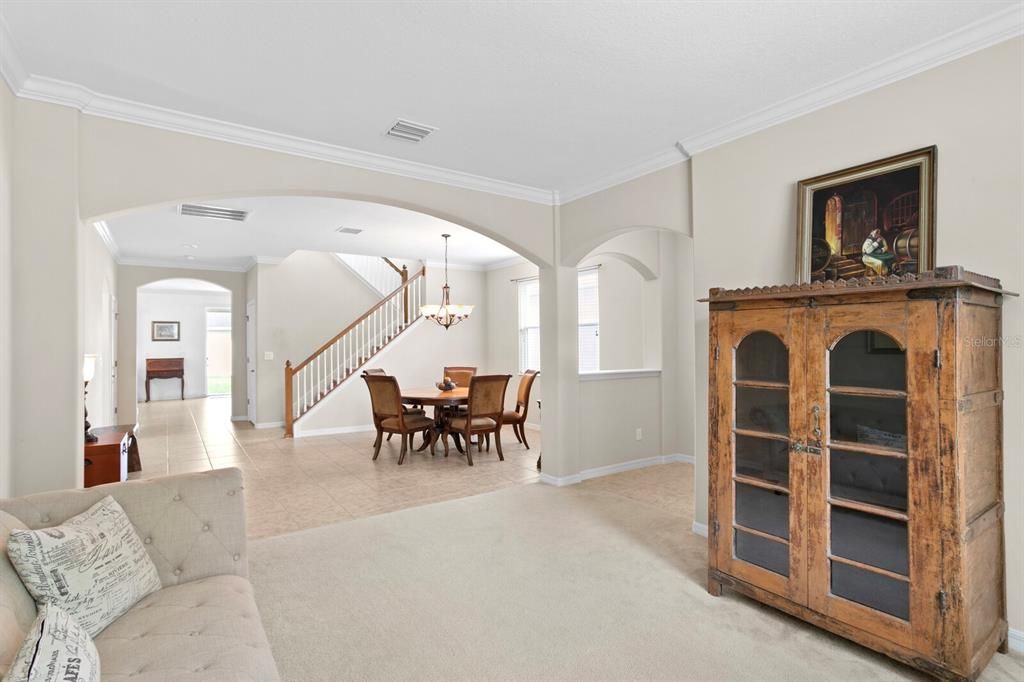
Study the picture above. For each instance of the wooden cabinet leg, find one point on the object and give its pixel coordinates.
(183, 388)
(147, 390)
(714, 586)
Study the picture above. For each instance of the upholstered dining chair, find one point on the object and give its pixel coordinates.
(460, 375)
(409, 409)
(483, 414)
(517, 417)
(390, 417)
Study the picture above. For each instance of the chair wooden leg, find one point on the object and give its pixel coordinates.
(469, 449)
(401, 455)
(389, 437)
(515, 430)
(444, 438)
(497, 443)
(522, 432)
(376, 444)
(487, 436)
(458, 442)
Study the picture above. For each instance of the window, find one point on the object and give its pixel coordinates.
(529, 324)
(589, 322)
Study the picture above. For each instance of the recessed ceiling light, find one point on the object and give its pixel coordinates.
(200, 211)
(409, 131)
(348, 230)
(190, 257)
(190, 246)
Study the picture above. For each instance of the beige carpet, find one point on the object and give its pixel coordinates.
(535, 583)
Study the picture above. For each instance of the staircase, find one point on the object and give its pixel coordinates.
(380, 274)
(313, 379)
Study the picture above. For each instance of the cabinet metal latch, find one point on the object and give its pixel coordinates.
(938, 359)
(716, 352)
(715, 527)
(943, 600)
(798, 446)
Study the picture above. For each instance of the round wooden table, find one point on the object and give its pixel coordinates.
(437, 399)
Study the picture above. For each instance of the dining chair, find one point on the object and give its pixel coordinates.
(483, 413)
(389, 415)
(460, 375)
(517, 417)
(409, 409)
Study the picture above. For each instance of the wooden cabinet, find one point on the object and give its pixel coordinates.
(106, 460)
(855, 443)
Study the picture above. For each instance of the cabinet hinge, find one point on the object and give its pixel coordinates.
(717, 350)
(943, 600)
(715, 526)
(938, 359)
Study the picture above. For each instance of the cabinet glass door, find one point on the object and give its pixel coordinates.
(758, 538)
(872, 401)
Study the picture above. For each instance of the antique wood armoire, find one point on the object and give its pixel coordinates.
(855, 440)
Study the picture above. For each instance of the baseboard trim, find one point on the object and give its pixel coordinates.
(334, 430)
(1016, 640)
(597, 472)
(268, 425)
(243, 418)
(700, 529)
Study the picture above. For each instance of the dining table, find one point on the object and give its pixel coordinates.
(442, 402)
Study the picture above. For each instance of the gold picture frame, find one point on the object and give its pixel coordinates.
(876, 218)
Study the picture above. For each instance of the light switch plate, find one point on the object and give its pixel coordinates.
(268, 355)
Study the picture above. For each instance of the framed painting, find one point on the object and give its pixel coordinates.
(875, 219)
(166, 331)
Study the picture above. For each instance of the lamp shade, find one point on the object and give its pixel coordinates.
(88, 367)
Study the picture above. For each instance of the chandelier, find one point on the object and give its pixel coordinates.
(446, 314)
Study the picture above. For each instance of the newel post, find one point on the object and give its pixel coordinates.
(289, 417)
(405, 291)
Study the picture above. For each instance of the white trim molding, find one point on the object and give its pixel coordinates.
(961, 42)
(658, 162)
(700, 529)
(240, 418)
(184, 265)
(1015, 640)
(269, 425)
(108, 238)
(613, 374)
(597, 472)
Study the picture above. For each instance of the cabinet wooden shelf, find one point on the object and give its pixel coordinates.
(855, 461)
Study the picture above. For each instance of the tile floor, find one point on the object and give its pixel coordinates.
(302, 483)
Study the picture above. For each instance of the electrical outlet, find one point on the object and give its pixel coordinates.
(268, 355)
(639, 434)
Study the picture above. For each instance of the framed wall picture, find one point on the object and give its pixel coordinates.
(876, 219)
(166, 331)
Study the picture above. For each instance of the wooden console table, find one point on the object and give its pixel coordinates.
(110, 458)
(165, 368)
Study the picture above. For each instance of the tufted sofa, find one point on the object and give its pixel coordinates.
(203, 625)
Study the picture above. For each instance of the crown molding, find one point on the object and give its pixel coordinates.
(661, 160)
(108, 238)
(507, 263)
(105, 106)
(973, 37)
(439, 264)
(178, 265)
(10, 65)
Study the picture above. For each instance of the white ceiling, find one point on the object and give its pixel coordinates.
(184, 285)
(277, 226)
(552, 95)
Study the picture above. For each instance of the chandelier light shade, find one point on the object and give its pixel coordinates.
(447, 314)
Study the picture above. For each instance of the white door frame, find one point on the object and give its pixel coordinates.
(113, 359)
(250, 360)
(206, 346)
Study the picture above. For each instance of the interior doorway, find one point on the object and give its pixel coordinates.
(218, 351)
(250, 360)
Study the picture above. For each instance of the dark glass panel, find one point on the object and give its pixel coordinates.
(869, 420)
(867, 478)
(763, 458)
(875, 591)
(763, 510)
(762, 356)
(869, 539)
(762, 409)
(761, 552)
(868, 359)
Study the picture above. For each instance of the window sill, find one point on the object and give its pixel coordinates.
(611, 374)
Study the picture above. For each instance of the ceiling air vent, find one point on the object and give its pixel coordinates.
(348, 230)
(407, 130)
(201, 211)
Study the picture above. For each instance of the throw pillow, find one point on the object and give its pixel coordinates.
(93, 566)
(56, 649)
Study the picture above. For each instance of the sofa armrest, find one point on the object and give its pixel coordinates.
(193, 525)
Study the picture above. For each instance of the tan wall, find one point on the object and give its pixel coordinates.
(6, 155)
(301, 303)
(129, 279)
(744, 200)
(46, 374)
(98, 287)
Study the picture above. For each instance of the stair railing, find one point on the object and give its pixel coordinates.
(310, 381)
